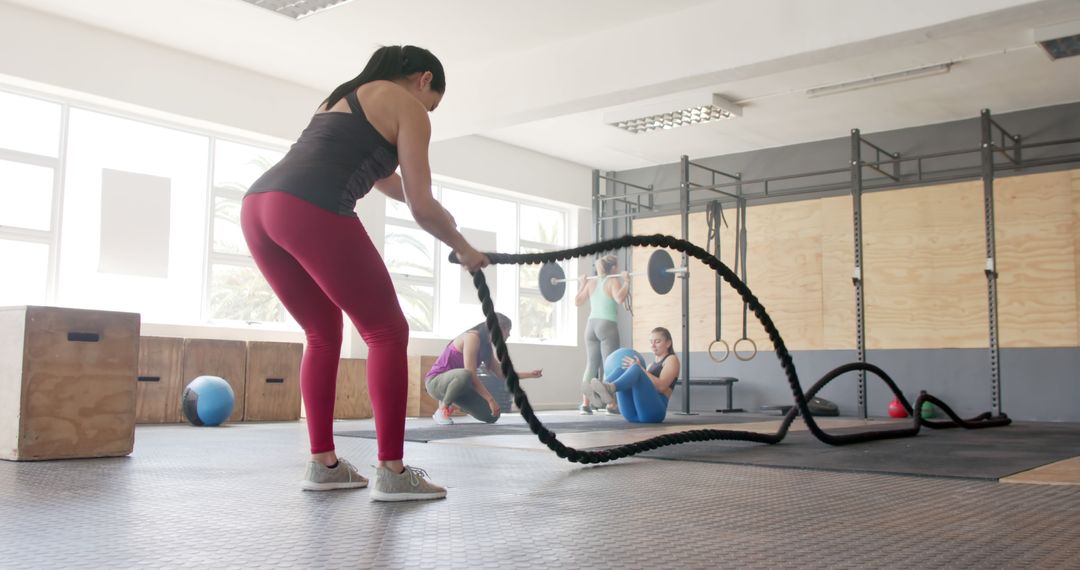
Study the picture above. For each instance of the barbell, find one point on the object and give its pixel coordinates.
(661, 274)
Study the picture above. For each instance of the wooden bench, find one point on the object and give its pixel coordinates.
(726, 381)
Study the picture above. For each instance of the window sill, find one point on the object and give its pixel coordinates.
(513, 340)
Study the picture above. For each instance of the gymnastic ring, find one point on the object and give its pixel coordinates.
(735, 349)
(727, 350)
(726, 354)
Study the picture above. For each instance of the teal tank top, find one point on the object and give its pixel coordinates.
(602, 306)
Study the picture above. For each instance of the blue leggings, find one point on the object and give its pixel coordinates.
(639, 400)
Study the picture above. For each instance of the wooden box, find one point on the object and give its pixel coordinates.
(67, 383)
(159, 387)
(420, 404)
(352, 394)
(225, 359)
(273, 381)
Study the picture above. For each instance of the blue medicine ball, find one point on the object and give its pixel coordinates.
(208, 401)
(613, 365)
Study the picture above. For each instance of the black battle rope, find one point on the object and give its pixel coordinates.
(600, 456)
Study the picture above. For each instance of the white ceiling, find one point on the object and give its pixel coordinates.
(541, 75)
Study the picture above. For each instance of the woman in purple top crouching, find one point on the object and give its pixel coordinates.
(453, 381)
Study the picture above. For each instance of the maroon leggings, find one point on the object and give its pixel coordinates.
(319, 264)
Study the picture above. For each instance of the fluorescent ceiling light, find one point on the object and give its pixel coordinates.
(655, 119)
(296, 9)
(1061, 40)
(880, 80)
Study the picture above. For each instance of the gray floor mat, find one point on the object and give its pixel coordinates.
(990, 453)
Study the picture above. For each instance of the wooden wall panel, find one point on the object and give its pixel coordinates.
(784, 271)
(352, 392)
(1076, 242)
(837, 265)
(653, 310)
(1036, 258)
(157, 394)
(924, 256)
(923, 250)
(222, 358)
(272, 388)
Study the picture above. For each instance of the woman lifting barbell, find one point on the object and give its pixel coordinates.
(604, 295)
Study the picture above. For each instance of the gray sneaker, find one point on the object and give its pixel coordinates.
(409, 485)
(322, 478)
(585, 410)
(604, 390)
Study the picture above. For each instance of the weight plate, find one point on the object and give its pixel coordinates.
(552, 291)
(660, 278)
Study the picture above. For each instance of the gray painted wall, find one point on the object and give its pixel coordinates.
(1038, 384)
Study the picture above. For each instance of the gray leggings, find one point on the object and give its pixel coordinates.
(601, 339)
(456, 387)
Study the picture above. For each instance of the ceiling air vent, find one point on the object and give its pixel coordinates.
(296, 9)
(1061, 40)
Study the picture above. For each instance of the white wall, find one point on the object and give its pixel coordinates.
(485, 161)
(107, 69)
(76, 58)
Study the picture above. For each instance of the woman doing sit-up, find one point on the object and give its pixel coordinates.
(643, 393)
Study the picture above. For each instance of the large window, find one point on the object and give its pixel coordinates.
(236, 289)
(542, 229)
(410, 256)
(134, 211)
(30, 163)
(113, 212)
(438, 297)
(102, 210)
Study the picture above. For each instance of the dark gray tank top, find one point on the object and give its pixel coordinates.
(334, 163)
(658, 366)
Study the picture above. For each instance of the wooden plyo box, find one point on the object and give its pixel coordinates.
(157, 394)
(226, 359)
(352, 401)
(67, 383)
(420, 403)
(273, 381)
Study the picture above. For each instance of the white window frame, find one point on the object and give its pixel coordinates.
(50, 237)
(564, 320)
(212, 257)
(561, 313)
(420, 279)
(59, 164)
